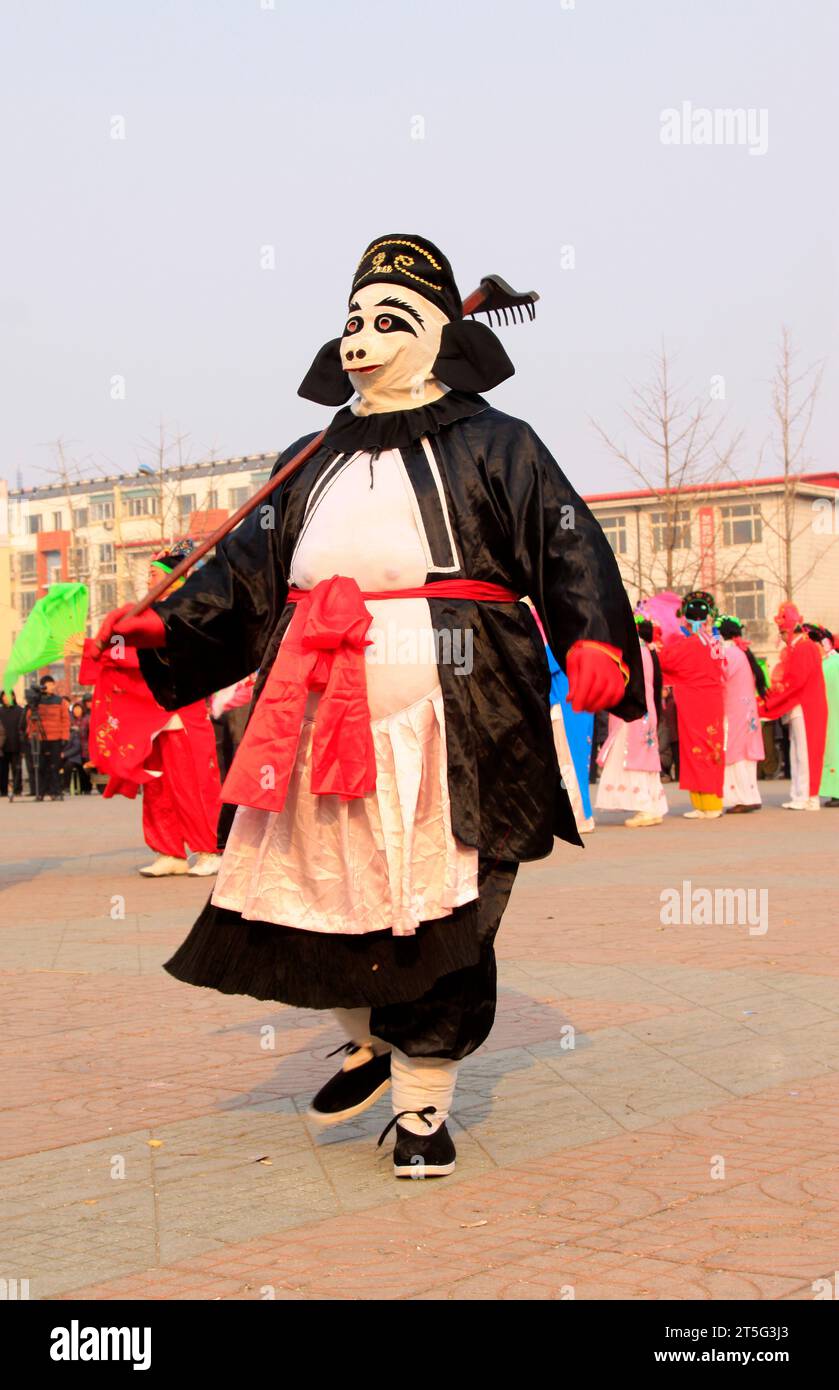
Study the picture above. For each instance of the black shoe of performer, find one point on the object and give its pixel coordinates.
(351, 1091)
(421, 1155)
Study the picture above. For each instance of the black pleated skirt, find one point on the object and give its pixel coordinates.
(314, 970)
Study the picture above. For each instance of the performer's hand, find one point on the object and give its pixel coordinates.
(143, 630)
(595, 678)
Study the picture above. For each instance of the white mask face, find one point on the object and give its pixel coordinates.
(390, 342)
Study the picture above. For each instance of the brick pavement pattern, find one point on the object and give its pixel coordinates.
(654, 1116)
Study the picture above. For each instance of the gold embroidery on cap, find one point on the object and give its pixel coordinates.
(401, 262)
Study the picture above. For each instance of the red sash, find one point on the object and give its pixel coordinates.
(323, 650)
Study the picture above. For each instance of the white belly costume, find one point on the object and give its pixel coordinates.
(389, 860)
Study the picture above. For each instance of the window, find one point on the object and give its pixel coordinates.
(28, 567)
(741, 524)
(144, 506)
(745, 598)
(671, 530)
(54, 566)
(107, 559)
(102, 509)
(236, 496)
(212, 500)
(26, 602)
(138, 561)
(33, 524)
(107, 596)
(58, 521)
(186, 504)
(80, 518)
(79, 561)
(614, 529)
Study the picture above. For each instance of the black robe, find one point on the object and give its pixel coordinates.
(507, 515)
(492, 505)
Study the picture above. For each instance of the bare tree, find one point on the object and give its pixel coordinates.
(169, 451)
(681, 447)
(66, 472)
(793, 394)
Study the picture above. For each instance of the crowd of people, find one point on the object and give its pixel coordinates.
(47, 739)
(717, 719)
(45, 753)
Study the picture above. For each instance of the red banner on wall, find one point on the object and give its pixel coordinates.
(707, 553)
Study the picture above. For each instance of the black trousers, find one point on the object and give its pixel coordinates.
(76, 775)
(456, 1015)
(49, 768)
(11, 771)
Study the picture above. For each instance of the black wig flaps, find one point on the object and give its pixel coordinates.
(326, 382)
(471, 358)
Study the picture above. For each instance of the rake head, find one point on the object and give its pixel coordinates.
(496, 297)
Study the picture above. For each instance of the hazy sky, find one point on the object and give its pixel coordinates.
(247, 126)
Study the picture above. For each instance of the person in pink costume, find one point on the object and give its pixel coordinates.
(631, 778)
(743, 682)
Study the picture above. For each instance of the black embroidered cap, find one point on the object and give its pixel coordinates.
(168, 558)
(698, 605)
(415, 263)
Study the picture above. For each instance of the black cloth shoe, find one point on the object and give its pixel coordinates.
(349, 1093)
(421, 1155)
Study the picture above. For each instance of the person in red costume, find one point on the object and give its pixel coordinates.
(798, 689)
(399, 761)
(692, 663)
(170, 754)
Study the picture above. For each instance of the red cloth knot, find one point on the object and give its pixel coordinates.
(323, 650)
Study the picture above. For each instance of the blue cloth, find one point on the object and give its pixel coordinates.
(579, 729)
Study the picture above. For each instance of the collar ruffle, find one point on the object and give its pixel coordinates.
(395, 429)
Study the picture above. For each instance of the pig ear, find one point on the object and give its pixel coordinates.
(471, 358)
(326, 381)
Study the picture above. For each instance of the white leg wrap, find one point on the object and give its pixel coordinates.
(355, 1024)
(798, 764)
(418, 1082)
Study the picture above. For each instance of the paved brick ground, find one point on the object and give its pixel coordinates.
(655, 1115)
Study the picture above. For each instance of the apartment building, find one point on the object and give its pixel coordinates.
(9, 620)
(104, 531)
(737, 539)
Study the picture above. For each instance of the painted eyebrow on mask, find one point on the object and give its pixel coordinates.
(392, 303)
(353, 308)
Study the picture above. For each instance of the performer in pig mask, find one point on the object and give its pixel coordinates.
(399, 762)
